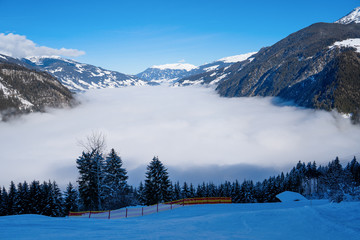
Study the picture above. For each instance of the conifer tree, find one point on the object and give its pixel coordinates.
(35, 196)
(157, 183)
(71, 199)
(24, 200)
(141, 194)
(13, 201)
(90, 166)
(58, 205)
(177, 191)
(2, 207)
(335, 180)
(115, 184)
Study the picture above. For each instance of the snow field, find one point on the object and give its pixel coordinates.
(295, 220)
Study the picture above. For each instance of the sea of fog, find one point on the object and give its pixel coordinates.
(198, 136)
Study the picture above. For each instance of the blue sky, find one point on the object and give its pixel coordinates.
(129, 36)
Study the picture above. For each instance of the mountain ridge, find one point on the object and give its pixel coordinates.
(81, 76)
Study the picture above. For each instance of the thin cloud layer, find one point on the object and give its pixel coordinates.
(196, 134)
(19, 46)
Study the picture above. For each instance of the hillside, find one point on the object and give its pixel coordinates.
(311, 220)
(24, 90)
(306, 68)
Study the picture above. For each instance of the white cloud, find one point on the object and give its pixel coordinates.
(19, 46)
(192, 130)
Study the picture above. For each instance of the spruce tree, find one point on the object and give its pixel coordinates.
(115, 184)
(177, 191)
(335, 181)
(35, 198)
(141, 194)
(71, 199)
(58, 206)
(24, 198)
(90, 166)
(13, 201)
(157, 183)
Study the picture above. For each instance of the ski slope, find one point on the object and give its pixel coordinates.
(296, 220)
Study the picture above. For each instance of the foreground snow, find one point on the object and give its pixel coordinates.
(297, 220)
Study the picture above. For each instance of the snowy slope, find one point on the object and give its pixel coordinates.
(212, 74)
(273, 221)
(236, 58)
(79, 76)
(351, 42)
(352, 17)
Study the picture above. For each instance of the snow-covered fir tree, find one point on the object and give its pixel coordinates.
(90, 166)
(157, 183)
(335, 180)
(115, 184)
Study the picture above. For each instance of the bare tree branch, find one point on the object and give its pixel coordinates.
(96, 141)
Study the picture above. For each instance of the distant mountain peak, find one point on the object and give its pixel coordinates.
(175, 66)
(352, 17)
(237, 58)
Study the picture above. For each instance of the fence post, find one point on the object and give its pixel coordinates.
(126, 212)
(142, 211)
(109, 215)
(157, 207)
(89, 214)
(171, 205)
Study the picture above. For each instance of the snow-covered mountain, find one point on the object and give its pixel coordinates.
(166, 73)
(215, 72)
(352, 17)
(171, 73)
(79, 76)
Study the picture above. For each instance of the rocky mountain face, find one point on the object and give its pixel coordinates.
(315, 67)
(24, 90)
(79, 76)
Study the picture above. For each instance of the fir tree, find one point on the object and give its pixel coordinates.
(35, 198)
(141, 194)
(90, 166)
(177, 191)
(12, 200)
(115, 185)
(157, 183)
(71, 199)
(24, 198)
(335, 181)
(4, 204)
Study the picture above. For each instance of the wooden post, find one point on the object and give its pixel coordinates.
(89, 214)
(109, 215)
(157, 207)
(142, 211)
(126, 212)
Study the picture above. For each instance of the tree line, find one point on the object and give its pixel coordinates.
(102, 185)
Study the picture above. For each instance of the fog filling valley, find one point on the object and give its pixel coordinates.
(198, 136)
